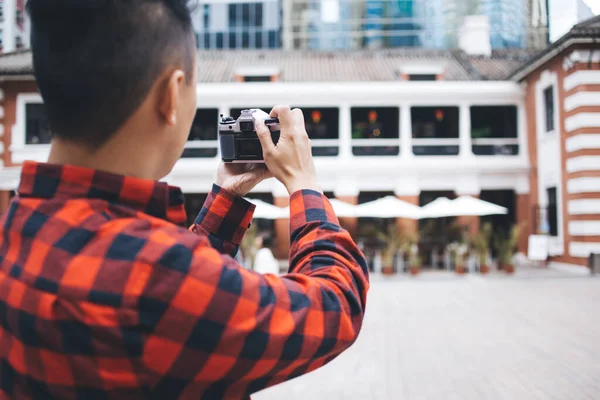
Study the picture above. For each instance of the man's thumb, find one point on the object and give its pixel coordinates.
(264, 135)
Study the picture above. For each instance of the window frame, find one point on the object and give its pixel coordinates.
(549, 114)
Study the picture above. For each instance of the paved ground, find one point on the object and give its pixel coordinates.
(532, 336)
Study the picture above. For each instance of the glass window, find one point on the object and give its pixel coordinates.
(203, 128)
(322, 123)
(422, 77)
(493, 122)
(257, 78)
(498, 123)
(205, 124)
(245, 15)
(552, 211)
(434, 122)
(37, 127)
(549, 108)
(375, 123)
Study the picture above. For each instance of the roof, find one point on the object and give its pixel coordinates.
(220, 66)
(587, 31)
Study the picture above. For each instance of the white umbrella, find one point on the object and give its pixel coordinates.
(470, 206)
(267, 211)
(438, 208)
(388, 207)
(341, 209)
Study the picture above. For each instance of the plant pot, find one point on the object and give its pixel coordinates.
(387, 270)
(460, 269)
(509, 268)
(415, 271)
(484, 269)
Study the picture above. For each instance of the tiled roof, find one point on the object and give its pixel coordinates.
(220, 66)
(586, 31)
(349, 66)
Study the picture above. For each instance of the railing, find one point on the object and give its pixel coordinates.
(436, 147)
(325, 147)
(379, 147)
(375, 147)
(495, 147)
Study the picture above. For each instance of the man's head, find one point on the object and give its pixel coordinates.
(103, 65)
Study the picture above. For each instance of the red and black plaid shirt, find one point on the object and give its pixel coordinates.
(103, 295)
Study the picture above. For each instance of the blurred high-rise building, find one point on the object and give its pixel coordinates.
(370, 24)
(563, 14)
(14, 26)
(238, 25)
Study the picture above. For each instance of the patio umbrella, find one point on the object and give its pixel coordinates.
(437, 209)
(388, 207)
(267, 211)
(341, 209)
(470, 206)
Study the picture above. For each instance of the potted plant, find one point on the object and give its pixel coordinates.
(414, 260)
(481, 243)
(392, 240)
(458, 252)
(506, 247)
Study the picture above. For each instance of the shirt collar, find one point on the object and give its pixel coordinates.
(158, 199)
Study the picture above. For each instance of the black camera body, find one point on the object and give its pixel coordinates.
(238, 140)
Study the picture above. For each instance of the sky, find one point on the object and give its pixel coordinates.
(594, 5)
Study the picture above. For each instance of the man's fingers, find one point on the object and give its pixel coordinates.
(264, 135)
(284, 114)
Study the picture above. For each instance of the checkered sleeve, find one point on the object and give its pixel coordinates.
(227, 332)
(224, 219)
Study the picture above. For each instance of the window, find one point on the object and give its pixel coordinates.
(552, 211)
(246, 15)
(322, 124)
(549, 108)
(378, 125)
(422, 77)
(204, 128)
(494, 130)
(257, 78)
(37, 127)
(438, 129)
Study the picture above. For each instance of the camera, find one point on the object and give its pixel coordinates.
(238, 140)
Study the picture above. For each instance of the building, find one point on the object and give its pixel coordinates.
(414, 123)
(14, 26)
(238, 25)
(563, 14)
(562, 98)
(432, 24)
(358, 24)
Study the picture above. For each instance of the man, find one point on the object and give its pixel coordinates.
(103, 295)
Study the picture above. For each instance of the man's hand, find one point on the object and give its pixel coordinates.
(241, 178)
(290, 161)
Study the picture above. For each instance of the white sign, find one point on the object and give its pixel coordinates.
(538, 248)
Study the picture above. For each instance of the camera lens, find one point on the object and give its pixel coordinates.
(246, 126)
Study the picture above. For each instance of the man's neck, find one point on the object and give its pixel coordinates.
(112, 157)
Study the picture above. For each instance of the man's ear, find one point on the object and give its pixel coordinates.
(169, 99)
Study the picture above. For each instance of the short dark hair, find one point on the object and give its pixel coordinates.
(95, 61)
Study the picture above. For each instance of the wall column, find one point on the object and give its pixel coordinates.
(408, 225)
(4, 200)
(349, 224)
(524, 217)
(471, 222)
(464, 129)
(345, 132)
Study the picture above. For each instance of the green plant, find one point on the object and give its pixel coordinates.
(507, 245)
(392, 239)
(481, 242)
